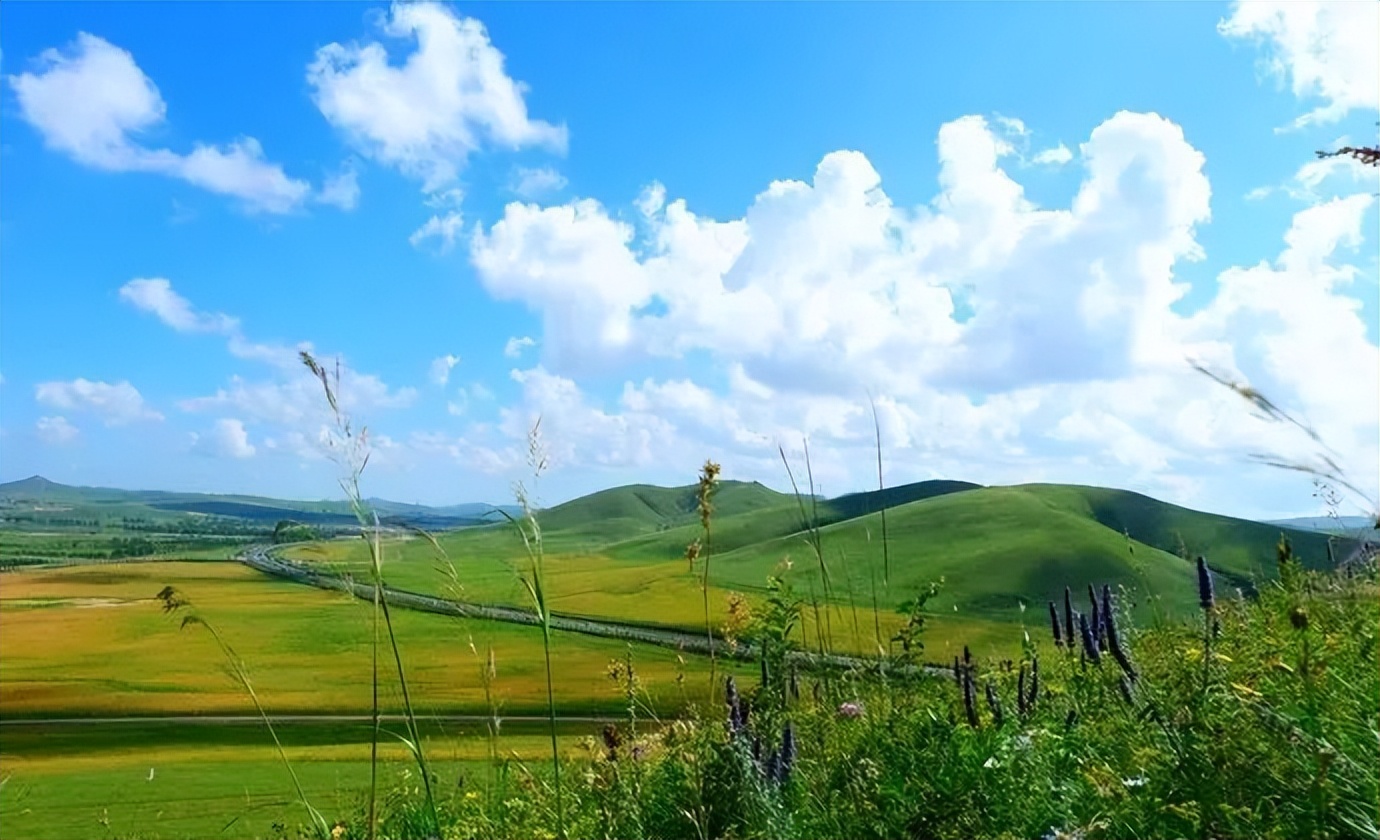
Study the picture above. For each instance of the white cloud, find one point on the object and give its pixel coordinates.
(156, 295)
(450, 97)
(92, 102)
(341, 190)
(535, 183)
(116, 404)
(516, 345)
(445, 228)
(56, 431)
(296, 399)
(1326, 49)
(441, 368)
(290, 402)
(1071, 367)
(228, 439)
(1056, 156)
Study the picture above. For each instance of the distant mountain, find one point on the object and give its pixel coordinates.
(1343, 525)
(37, 491)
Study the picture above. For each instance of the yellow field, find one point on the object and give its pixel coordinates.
(660, 592)
(94, 641)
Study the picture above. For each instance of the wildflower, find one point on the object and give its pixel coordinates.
(737, 719)
(994, 703)
(1298, 617)
(692, 553)
(1134, 782)
(1054, 625)
(970, 699)
(1089, 646)
(1096, 619)
(1068, 616)
(1112, 635)
(1205, 598)
(850, 710)
(990, 763)
(612, 740)
(1034, 683)
(787, 752)
(773, 767)
(1021, 708)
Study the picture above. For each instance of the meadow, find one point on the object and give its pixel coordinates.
(652, 740)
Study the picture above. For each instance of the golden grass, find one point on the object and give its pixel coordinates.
(307, 650)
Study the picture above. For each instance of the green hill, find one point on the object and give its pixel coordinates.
(997, 547)
(1239, 548)
(625, 512)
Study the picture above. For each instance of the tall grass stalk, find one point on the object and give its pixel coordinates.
(173, 601)
(704, 503)
(351, 450)
(535, 583)
(881, 500)
(809, 523)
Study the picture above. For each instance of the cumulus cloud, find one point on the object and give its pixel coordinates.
(116, 404)
(450, 97)
(92, 102)
(1070, 362)
(441, 368)
(827, 283)
(56, 430)
(1325, 49)
(228, 438)
(289, 402)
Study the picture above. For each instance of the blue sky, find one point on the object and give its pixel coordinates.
(680, 231)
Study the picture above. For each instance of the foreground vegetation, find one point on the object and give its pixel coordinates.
(1261, 718)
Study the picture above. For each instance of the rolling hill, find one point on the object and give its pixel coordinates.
(37, 493)
(617, 552)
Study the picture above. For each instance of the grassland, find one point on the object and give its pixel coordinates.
(91, 641)
(1002, 551)
(207, 780)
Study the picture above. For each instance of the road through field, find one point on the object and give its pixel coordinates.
(267, 561)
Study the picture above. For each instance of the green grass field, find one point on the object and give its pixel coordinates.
(91, 641)
(154, 780)
(998, 549)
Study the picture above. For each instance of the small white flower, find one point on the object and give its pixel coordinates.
(990, 763)
(1135, 782)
